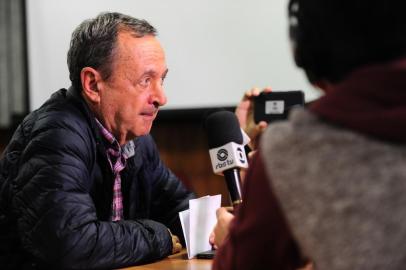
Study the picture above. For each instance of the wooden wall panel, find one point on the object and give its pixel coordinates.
(183, 148)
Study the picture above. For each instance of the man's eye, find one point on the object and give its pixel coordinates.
(145, 82)
(162, 80)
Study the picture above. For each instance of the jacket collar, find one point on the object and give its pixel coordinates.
(77, 98)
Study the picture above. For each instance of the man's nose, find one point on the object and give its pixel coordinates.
(158, 96)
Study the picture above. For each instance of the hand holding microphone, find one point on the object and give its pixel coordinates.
(220, 231)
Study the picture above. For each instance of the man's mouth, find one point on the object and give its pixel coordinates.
(149, 113)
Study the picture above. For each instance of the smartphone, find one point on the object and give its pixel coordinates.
(206, 254)
(275, 105)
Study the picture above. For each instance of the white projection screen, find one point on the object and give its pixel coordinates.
(215, 49)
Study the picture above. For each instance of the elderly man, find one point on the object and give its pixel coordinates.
(82, 184)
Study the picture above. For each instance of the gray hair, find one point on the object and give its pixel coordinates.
(94, 40)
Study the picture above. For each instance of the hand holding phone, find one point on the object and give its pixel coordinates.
(275, 105)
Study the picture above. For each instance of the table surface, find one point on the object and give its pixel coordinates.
(176, 262)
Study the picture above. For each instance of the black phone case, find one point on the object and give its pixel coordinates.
(267, 106)
(206, 254)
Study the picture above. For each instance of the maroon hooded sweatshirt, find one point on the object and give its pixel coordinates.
(370, 101)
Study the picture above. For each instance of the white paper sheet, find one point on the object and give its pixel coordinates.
(198, 222)
(184, 221)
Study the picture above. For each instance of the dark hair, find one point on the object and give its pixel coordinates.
(93, 42)
(333, 37)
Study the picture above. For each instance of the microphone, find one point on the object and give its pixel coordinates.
(226, 150)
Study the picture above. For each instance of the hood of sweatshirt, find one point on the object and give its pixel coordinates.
(371, 100)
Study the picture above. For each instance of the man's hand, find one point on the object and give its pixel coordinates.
(176, 245)
(245, 115)
(220, 232)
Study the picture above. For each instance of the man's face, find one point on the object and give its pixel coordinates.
(130, 97)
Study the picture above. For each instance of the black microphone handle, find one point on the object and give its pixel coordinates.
(233, 181)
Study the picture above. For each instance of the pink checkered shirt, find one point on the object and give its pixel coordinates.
(117, 157)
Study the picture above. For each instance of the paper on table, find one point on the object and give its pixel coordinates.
(184, 221)
(198, 222)
(202, 221)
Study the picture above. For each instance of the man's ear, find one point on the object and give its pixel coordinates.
(90, 78)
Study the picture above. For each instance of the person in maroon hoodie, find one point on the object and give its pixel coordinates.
(328, 185)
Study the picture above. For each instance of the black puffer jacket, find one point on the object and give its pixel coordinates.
(56, 193)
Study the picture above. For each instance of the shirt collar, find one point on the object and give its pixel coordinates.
(127, 150)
